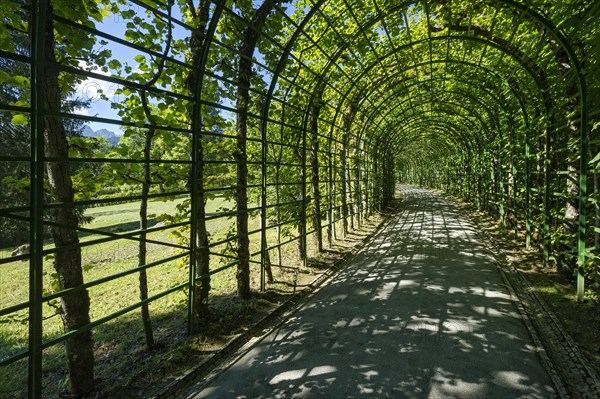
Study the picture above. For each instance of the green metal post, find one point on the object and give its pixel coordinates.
(501, 197)
(527, 191)
(263, 207)
(331, 188)
(514, 182)
(36, 236)
(304, 228)
(357, 188)
(548, 178)
(583, 170)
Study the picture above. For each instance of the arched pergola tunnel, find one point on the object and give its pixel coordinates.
(300, 118)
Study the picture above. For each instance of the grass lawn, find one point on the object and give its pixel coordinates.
(121, 356)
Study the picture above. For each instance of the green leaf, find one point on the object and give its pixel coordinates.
(19, 119)
(87, 268)
(596, 158)
(114, 64)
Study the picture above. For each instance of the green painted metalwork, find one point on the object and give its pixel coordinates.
(471, 112)
(36, 261)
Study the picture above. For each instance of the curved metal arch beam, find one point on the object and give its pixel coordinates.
(385, 116)
(313, 10)
(443, 147)
(440, 124)
(488, 71)
(409, 131)
(380, 16)
(487, 109)
(387, 138)
(529, 69)
(398, 116)
(404, 133)
(458, 130)
(300, 29)
(395, 118)
(464, 93)
(426, 154)
(386, 100)
(420, 160)
(502, 102)
(410, 134)
(516, 94)
(532, 71)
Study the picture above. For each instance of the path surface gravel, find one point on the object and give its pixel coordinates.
(421, 312)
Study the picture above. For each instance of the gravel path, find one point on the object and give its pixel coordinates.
(421, 312)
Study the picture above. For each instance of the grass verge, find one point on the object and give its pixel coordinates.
(124, 368)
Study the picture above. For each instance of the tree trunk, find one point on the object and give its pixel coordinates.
(251, 36)
(597, 209)
(345, 173)
(146, 182)
(201, 287)
(344, 181)
(243, 98)
(314, 165)
(567, 261)
(268, 269)
(74, 306)
(278, 198)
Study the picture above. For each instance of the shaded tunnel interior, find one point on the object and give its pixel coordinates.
(252, 136)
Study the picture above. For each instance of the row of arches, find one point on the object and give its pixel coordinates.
(275, 128)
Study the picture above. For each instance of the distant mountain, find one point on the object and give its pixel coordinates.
(88, 131)
(112, 138)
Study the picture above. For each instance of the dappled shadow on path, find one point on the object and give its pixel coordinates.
(422, 312)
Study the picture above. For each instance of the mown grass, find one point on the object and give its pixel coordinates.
(123, 365)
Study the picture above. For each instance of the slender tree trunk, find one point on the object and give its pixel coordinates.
(268, 268)
(278, 199)
(75, 305)
(366, 199)
(344, 181)
(349, 202)
(278, 168)
(597, 209)
(146, 183)
(568, 260)
(345, 173)
(314, 165)
(201, 287)
(143, 279)
(251, 36)
(243, 98)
